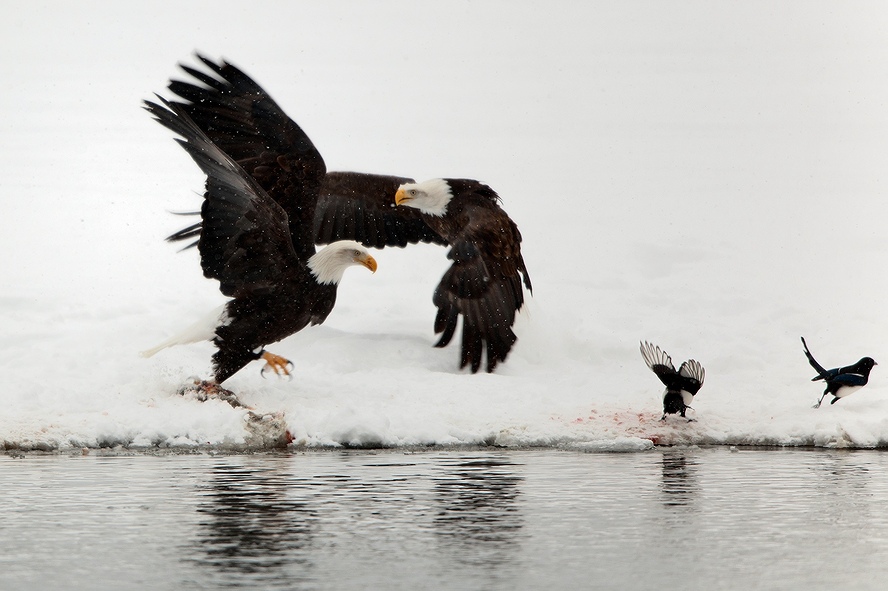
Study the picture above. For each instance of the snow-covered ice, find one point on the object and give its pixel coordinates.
(708, 177)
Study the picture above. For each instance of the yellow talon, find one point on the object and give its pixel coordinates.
(280, 365)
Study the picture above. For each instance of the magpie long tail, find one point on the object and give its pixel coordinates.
(819, 368)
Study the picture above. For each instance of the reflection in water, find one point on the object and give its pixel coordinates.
(478, 513)
(702, 518)
(263, 526)
(843, 482)
(843, 468)
(679, 479)
(250, 530)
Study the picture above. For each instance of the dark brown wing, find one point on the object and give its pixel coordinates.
(361, 207)
(483, 285)
(245, 240)
(240, 118)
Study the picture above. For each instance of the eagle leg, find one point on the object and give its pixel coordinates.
(280, 365)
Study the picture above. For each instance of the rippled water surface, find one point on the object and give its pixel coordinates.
(480, 519)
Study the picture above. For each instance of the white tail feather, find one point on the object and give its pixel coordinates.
(202, 330)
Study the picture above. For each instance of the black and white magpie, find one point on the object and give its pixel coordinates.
(681, 385)
(840, 381)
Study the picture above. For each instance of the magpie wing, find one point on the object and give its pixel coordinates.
(694, 374)
(849, 379)
(659, 362)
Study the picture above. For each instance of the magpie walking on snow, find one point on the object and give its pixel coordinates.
(840, 381)
(681, 385)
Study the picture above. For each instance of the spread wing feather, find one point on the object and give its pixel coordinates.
(483, 285)
(247, 124)
(659, 362)
(245, 241)
(689, 377)
(361, 207)
(694, 374)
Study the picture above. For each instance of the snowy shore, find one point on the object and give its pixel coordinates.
(709, 180)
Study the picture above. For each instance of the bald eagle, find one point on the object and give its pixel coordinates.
(263, 257)
(483, 284)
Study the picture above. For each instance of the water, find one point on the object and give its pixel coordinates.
(693, 518)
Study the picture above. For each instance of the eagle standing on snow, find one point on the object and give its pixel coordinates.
(259, 248)
(681, 385)
(484, 283)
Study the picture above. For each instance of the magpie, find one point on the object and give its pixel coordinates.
(840, 381)
(681, 385)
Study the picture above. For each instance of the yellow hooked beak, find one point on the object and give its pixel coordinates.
(369, 262)
(401, 196)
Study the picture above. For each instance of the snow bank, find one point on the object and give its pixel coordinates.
(710, 181)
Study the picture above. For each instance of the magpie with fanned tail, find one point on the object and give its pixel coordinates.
(681, 385)
(840, 381)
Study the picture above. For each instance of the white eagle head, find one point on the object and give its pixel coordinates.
(430, 197)
(330, 263)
